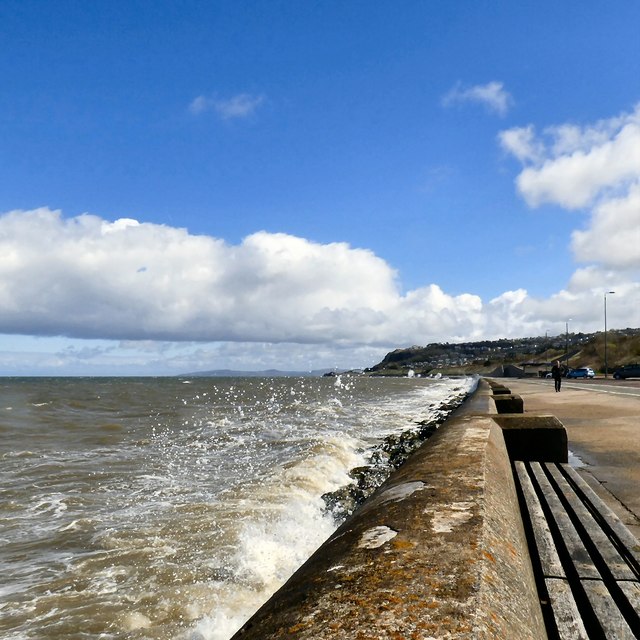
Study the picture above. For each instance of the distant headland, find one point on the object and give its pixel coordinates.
(266, 373)
(480, 357)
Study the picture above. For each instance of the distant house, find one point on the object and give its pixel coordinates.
(539, 369)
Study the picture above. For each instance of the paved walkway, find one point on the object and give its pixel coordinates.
(602, 419)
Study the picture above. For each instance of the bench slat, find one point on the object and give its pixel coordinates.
(565, 611)
(549, 559)
(607, 612)
(555, 497)
(615, 562)
(630, 542)
(631, 591)
(579, 555)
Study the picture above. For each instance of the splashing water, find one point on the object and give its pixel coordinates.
(155, 509)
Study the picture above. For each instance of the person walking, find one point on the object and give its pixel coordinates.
(556, 374)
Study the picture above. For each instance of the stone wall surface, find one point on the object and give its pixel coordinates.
(438, 551)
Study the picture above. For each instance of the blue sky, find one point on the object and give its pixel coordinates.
(246, 185)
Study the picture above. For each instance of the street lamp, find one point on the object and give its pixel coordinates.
(606, 364)
(566, 342)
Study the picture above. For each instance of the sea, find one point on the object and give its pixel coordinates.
(172, 508)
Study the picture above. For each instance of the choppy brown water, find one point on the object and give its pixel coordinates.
(168, 508)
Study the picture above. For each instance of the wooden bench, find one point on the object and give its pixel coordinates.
(586, 561)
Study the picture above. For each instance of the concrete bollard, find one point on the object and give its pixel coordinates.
(534, 437)
(509, 403)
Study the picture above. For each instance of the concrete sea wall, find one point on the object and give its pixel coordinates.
(438, 551)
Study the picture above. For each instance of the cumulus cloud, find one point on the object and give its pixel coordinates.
(149, 297)
(492, 96)
(85, 277)
(596, 168)
(522, 143)
(574, 166)
(613, 237)
(237, 107)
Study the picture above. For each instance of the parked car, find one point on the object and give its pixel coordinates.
(628, 371)
(582, 372)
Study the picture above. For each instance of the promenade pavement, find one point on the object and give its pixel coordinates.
(602, 419)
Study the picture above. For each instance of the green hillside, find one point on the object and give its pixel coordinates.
(579, 349)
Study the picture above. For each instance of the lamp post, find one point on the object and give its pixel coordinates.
(566, 343)
(606, 364)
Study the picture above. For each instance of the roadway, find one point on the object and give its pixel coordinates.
(603, 385)
(602, 418)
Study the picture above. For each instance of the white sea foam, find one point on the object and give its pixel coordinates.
(271, 549)
(275, 542)
(194, 511)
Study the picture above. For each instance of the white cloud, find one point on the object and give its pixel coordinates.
(492, 96)
(594, 167)
(239, 106)
(84, 277)
(521, 142)
(199, 104)
(573, 166)
(613, 237)
(140, 298)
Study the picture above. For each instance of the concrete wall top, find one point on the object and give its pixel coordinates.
(480, 403)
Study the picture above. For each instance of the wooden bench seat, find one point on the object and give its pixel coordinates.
(586, 561)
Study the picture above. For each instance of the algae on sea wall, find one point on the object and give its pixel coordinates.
(385, 457)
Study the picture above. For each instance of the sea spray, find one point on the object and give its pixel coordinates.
(299, 530)
(383, 458)
(275, 540)
(159, 510)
